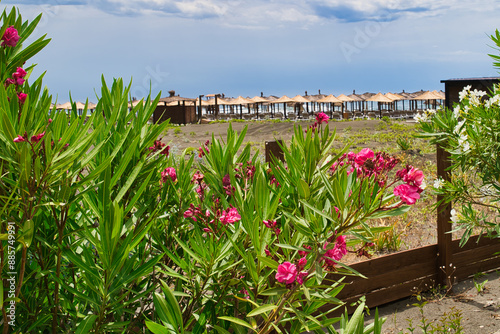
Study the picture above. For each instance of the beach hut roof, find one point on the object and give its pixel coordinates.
(283, 99)
(379, 98)
(427, 96)
(344, 98)
(329, 99)
(170, 99)
(440, 94)
(356, 97)
(239, 100)
(258, 99)
(394, 97)
(65, 106)
(300, 99)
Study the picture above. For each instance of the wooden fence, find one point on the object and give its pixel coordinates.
(399, 275)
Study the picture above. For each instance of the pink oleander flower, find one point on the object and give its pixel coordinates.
(19, 139)
(301, 276)
(168, 173)
(22, 97)
(304, 253)
(10, 37)
(268, 253)
(270, 223)
(302, 263)
(337, 252)
(159, 146)
(407, 193)
(322, 117)
(287, 272)
(18, 76)
(50, 120)
(37, 138)
(364, 155)
(230, 216)
(414, 177)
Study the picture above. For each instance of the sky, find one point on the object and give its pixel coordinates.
(277, 47)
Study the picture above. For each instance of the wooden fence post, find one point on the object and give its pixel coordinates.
(273, 148)
(444, 237)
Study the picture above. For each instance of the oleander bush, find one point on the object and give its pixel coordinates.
(103, 230)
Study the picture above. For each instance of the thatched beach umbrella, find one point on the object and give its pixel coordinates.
(301, 99)
(428, 96)
(64, 106)
(344, 98)
(395, 98)
(240, 101)
(257, 100)
(357, 99)
(332, 100)
(379, 98)
(284, 99)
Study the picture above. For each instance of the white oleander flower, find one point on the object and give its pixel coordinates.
(494, 100)
(459, 128)
(456, 111)
(439, 183)
(463, 94)
(421, 118)
(454, 216)
(463, 143)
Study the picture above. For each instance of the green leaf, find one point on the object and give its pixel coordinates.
(28, 231)
(86, 325)
(268, 262)
(159, 329)
(355, 320)
(238, 322)
(261, 309)
(303, 189)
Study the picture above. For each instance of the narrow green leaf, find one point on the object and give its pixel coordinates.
(86, 325)
(238, 322)
(261, 309)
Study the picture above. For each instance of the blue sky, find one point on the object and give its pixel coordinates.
(276, 47)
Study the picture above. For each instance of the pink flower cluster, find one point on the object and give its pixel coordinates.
(200, 185)
(159, 146)
(202, 150)
(168, 173)
(272, 224)
(10, 37)
(226, 185)
(225, 217)
(229, 216)
(409, 192)
(288, 273)
(367, 164)
(34, 139)
(320, 119)
(17, 78)
(336, 253)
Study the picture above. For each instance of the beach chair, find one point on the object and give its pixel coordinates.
(278, 115)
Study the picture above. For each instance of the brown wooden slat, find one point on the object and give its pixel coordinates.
(393, 262)
(467, 271)
(390, 278)
(474, 255)
(384, 296)
(472, 243)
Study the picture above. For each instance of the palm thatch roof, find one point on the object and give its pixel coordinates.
(344, 98)
(283, 99)
(329, 99)
(428, 96)
(259, 99)
(300, 99)
(379, 97)
(239, 100)
(394, 97)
